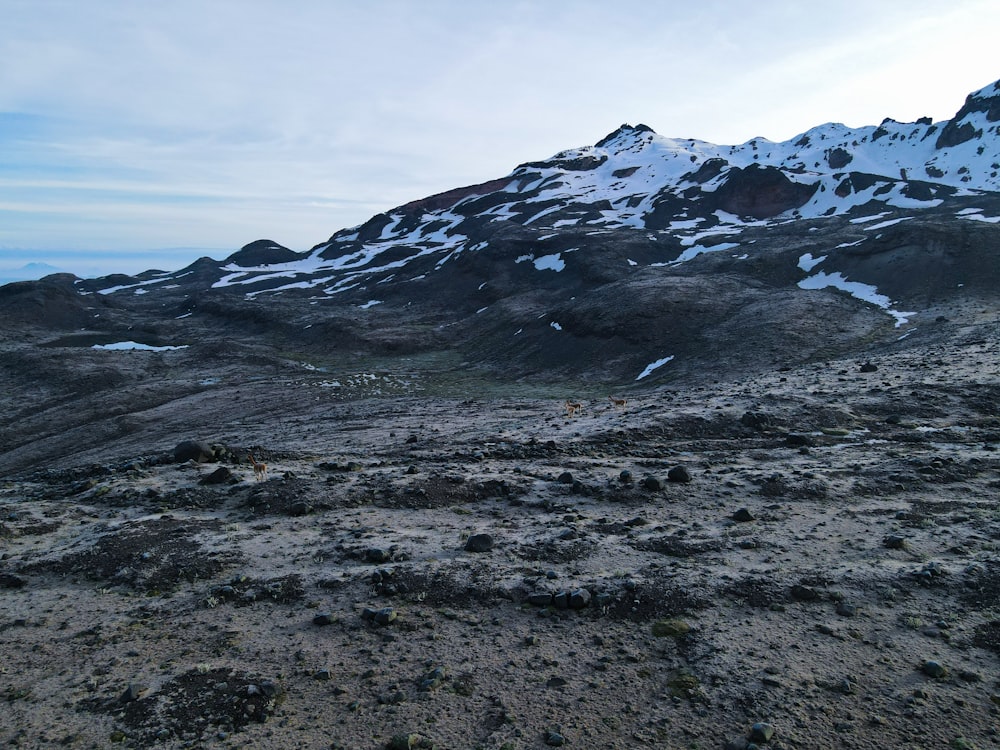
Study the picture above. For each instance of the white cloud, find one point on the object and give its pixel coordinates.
(227, 121)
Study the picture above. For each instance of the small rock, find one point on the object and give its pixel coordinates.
(761, 732)
(846, 609)
(131, 694)
(222, 475)
(540, 599)
(479, 543)
(554, 739)
(797, 440)
(378, 555)
(679, 474)
(270, 689)
(894, 541)
(625, 476)
(407, 742)
(432, 679)
(324, 618)
(565, 478)
(300, 508)
(869, 367)
(804, 593)
(579, 599)
(652, 483)
(385, 616)
(934, 669)
(743, 516)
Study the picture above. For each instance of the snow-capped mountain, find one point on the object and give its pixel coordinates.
(644, 248)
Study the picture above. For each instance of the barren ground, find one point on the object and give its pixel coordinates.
(830, 569)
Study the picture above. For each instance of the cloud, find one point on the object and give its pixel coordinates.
(129, 125)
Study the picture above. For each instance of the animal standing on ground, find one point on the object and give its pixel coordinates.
(620, 402)
(259, 469)
(572, 407)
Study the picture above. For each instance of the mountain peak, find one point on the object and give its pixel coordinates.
(624, 130)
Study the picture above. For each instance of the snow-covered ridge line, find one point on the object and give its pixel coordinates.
(689, 197)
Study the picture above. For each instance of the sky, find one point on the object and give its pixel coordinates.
(138, 135)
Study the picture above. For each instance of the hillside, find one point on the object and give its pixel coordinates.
(653, 443)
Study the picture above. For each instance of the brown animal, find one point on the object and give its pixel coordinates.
(620, 402)
(259, 469)
(572, 407)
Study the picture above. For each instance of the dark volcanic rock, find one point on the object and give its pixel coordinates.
(222, 475)
(479, 543)
(193, 450)
(761, 192)
(679, 474)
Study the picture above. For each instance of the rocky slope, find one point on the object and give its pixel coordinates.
(786, 537)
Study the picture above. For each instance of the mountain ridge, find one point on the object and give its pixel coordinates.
(550, 268)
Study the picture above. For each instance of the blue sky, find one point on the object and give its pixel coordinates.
(139, 135)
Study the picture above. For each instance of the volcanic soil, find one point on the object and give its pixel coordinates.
(803, 558)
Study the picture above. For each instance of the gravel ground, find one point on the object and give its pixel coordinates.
(806, 558)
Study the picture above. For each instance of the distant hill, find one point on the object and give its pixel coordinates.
(27, 272)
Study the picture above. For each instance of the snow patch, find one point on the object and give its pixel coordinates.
(864, 219)
(864, 292)
(889, 223)
(807, 262)
(980, 217)
(654, 365)
(693, 252)
(550, 263)
(135, 346)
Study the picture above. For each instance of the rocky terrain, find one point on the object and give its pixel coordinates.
(811, 551)
(781, 531)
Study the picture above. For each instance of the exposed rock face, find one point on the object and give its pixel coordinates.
(955, 134)
(961, 127)
(761, 192)
(838, 158)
